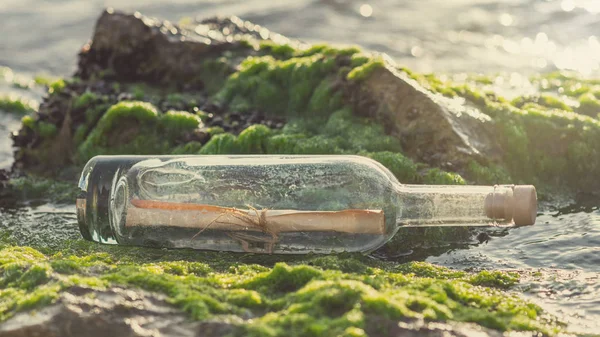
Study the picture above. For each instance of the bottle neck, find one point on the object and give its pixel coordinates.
(430, 205)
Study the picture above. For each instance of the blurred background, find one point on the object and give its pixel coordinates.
(488, 36)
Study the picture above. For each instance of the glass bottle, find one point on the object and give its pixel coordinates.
(276, 203)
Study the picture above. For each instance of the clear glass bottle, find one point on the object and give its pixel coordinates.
(276, 203)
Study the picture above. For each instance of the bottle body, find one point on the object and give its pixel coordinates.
(266, 204)
(275, 203)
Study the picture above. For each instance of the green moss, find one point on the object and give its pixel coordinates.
(436, 176)
(214, 73)
(539, 135)
(402, 167)
(84, 100)
(43, 129)
(284, 51)
(344, 294)
(188, 148)
(329, 50)
(175, 98)
(16, 104)
(325, 98)
(135, 128)
(358, 135)
(178, 122)
(43, 80)
(141, 111)
(487, 175)
(46, 130)
(543, 144)
(287, 81)
(301, 144)
(215, 130)
(138, 92)
(201, 114)
(28, 122)
(422, 269)
(276, 86)
(37, 188)
(223, 143)
(589, 104)
(363, 71)
(253, 140)
(359, 60)
(465, 91)
(544, 100)
(494, 279)
(56, 87)
(16, 255)
(282, 279)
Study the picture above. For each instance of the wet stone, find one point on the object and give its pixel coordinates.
(112, 312)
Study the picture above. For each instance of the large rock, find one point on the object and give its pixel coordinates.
(111, 312)
(133, 48)
(434, 129)
(199, 57)
(135, 313)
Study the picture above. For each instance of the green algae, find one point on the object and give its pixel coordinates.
(44, 80)
(113, 128)
(488, 174)
(334, 295)
(541, 137)
(133, 127)
(17, 104)
(543, 100)
(286, 51)
(21, 81)
(363, 71)
(141, 111)
(253, 140)
(214, 73)
(278, 86)
(57, 86)
(436, 176)
(402, 167)
(589, 104)
(178, 122)
(84, 100)
(280, 51)
(44, 129)
(341, 133)
(31, 188)
(288, 81)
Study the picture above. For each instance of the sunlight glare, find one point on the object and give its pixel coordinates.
(366, 10)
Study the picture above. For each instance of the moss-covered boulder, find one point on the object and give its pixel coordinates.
(249, 295)
(230, 73)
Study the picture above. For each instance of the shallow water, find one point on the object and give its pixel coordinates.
(489, 36)
(426, 35)
(563, 247)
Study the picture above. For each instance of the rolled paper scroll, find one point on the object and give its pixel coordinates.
(201, 217)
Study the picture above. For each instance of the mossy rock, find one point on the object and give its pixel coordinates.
(476, 135)
(308, 296)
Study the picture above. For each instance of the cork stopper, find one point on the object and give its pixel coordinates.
(517, 203)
